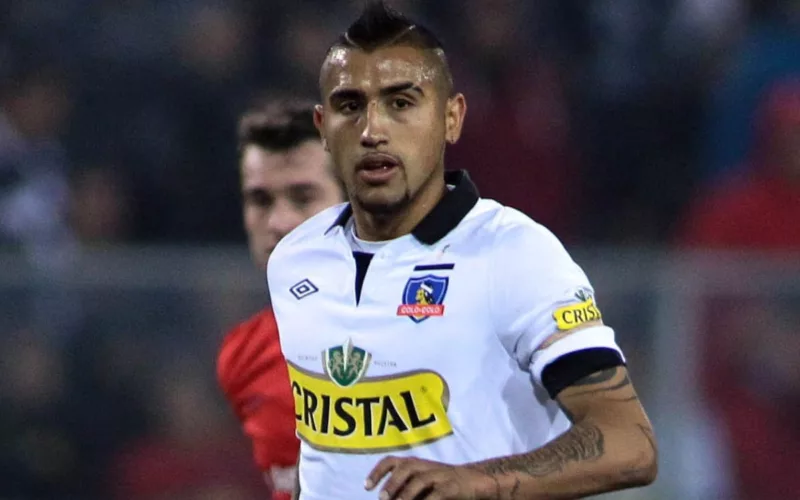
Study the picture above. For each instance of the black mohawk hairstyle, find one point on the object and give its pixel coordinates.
(380, 25)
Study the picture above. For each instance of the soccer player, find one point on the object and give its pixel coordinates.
(286, 177)
(439, 345)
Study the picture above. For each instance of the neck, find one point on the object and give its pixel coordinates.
(383, 227)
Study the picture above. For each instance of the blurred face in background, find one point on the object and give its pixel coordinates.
(99, 205)
(280, 190)
(39, 105)
(214, 40)
(496, 30)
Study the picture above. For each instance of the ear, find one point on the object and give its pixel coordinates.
(319, 117)
(456, 110)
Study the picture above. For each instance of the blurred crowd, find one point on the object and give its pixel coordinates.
(603, 120)
(666, 123)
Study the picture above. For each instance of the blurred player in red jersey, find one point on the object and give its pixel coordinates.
(286, 178)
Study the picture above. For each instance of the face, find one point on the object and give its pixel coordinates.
(385, 119)
(282, 189)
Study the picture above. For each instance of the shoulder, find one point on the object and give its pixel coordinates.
(307, 235)
(312, 229)
(251, 341)
(506, 231)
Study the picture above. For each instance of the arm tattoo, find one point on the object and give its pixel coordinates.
(626, 381)
(580, 444)
(514, 490)
(600, 382)
(599, 378)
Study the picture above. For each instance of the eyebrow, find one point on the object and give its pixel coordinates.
(348, 93)
(400, 87)
(300, 187)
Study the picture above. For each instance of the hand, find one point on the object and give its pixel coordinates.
(412, 478)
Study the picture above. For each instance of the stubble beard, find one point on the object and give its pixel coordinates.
(388, 209)
(382, 208)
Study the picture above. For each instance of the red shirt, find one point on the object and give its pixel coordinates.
(252, 373)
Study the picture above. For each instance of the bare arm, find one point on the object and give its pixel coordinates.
(610, 446)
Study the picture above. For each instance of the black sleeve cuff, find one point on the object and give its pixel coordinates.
(571, 367)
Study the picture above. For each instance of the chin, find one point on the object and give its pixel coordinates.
(377, 206)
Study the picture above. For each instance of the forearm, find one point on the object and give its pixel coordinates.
(590, 458)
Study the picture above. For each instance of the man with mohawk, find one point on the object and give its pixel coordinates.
(504, 383)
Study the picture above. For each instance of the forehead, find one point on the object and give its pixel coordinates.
(367, 71)
(306, 163)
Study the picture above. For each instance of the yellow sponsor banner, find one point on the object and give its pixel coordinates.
(574, 315)
(374, 415)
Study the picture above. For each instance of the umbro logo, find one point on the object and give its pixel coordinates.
(303, 289)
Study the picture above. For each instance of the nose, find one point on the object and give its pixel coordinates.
(374, 133)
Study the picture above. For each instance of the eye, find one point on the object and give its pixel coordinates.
(303, 196)
(349, 106)
(258, 198)
(302, 200)
(401, 103)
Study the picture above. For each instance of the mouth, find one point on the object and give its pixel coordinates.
(377, 168)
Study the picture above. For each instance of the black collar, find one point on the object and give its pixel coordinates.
(445, 216)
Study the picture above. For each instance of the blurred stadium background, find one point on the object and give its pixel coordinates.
(659, 139)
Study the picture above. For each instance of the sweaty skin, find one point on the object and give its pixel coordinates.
(392, 101)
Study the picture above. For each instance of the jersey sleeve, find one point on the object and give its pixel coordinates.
(544, 309)
(253, 376)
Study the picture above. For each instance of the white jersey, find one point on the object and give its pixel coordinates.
(439, 352)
